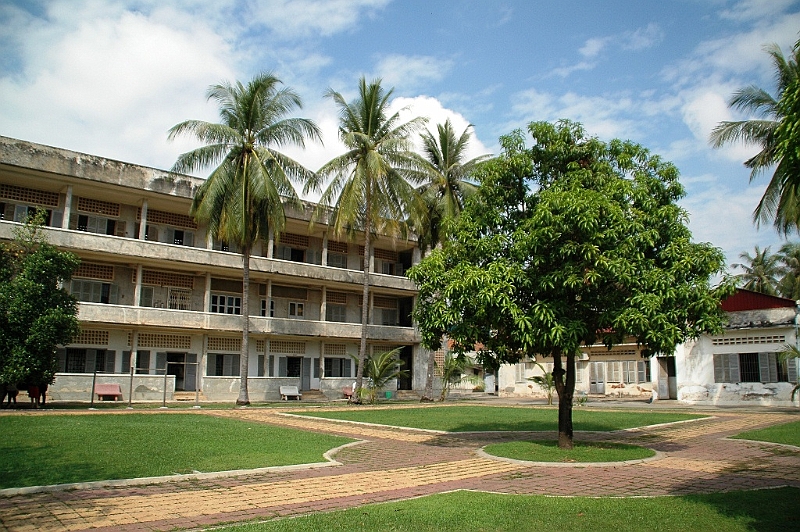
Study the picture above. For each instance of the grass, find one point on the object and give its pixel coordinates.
(490, 418)
(788, 433)
(548, 451)
(765, 511)
(53, 449)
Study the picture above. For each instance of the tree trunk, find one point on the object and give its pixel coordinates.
(427, 396)
(244, 397)
(565, 388)
(362, 351)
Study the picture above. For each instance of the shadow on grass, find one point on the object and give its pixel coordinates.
(767, 510)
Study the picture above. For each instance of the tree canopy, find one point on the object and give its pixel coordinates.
(569, 242)
(36, 313)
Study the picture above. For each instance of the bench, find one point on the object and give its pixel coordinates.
(108, 390)
(347, 391)
(288, 392)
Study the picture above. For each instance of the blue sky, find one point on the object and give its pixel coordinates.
(111, 77)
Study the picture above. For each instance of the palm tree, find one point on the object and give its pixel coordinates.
(454, 372)
(760, 271)
(444, 193)
(772, 132)
(244, 195)
(789, 283)
(379, 369)
(447, 187)
(370, 189)
(787, 353)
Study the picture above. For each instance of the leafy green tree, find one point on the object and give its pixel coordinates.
(570, 242)
(446, 189)
(788, 352)
(370, 188)
(244, 196)
(379, 369)
(760, 271)
(454, 372)
(776, 131)
(36, 313)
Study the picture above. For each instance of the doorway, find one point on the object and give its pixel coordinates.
(667, 378)
(184, 367)
(597, 377)
(407, 359)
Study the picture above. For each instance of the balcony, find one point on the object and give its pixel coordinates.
(97, 314)
(158, 254)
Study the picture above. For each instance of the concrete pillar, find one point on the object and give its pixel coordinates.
(324, 252)
(143, 221)
(416, 256)
(323, 307)
(67, 208)
(371, 314)
(270, 243)
(207, 294)
(269, 297)
(137, 291)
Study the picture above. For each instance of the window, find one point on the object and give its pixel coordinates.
(264, 308)
(179, 298)
(629, 371)
(613, 371)
(289, 366)
(76, 361)
(643, 369)
(146, 299)
(89, 360)
(387, 268)
(336, 313)
(337, 367)
(296, 310)
(94, 291)
(221, 365)
(96, 224)
(753, 367)
(337, 260)
(388, 316)
(224, 304)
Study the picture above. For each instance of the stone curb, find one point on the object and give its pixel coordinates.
(658, 456)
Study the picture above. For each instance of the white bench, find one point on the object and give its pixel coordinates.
(288, 392)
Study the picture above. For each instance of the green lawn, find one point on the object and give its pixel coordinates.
(548, 451)
(764, 511)
(487, 418)
(57, 449)
(788, 433)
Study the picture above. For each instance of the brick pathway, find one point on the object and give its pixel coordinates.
(394, 464)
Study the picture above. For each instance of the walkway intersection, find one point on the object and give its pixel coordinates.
(394, 464)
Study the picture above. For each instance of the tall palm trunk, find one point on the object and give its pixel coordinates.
(362, 351)
(244, 397)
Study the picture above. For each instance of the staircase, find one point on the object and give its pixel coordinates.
(186, 396)
(407, 395)
(314, 396)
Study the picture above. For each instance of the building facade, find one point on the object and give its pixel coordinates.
(158, 294)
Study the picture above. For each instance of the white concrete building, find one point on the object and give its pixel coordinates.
(739, 366)
(156, 291)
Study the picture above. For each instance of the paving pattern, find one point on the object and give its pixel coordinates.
(395, 464)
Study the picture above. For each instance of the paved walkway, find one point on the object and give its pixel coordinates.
(395, 464)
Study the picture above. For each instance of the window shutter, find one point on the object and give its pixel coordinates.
(62, 359)
(719, 371)
(126, 362)
(763, 367)
(211, 365)
(227, 365)
(282, 367)
(791, 370)
(733, 362)
(113, 294)
(146, 299)
(8, 213)
(271, 368)
(111, 359)
(168, 236)
(91, 360)
(260, 370)
(188, 238)
(56, 219)
(316, 368)
(346, 372)
(121, 228)
(161, 363)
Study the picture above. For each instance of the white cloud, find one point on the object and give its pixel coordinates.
(642, 38)
(748, 10)
(563, 72)
(293, 19)
(411, 72)
(593, 46)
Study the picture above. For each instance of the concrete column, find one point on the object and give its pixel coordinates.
(143, 221)
(372, 259)
(323, 307)
(270, 243)
(137, 291)
(67, 208)
(416, 256)
(371, 315)
(324, 252)
(269, 297)
(207, 294)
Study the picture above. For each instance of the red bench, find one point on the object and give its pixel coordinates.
(108, 390)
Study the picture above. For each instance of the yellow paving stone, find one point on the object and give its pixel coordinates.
(701, 466)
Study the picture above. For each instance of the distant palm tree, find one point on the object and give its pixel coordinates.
(370, 190)
(774, 133)
(454, 372)
(379, 369)
(447, 174)
(760, 271)
(789, 283)
(244, 195)
(446, 189)
(787, 353)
